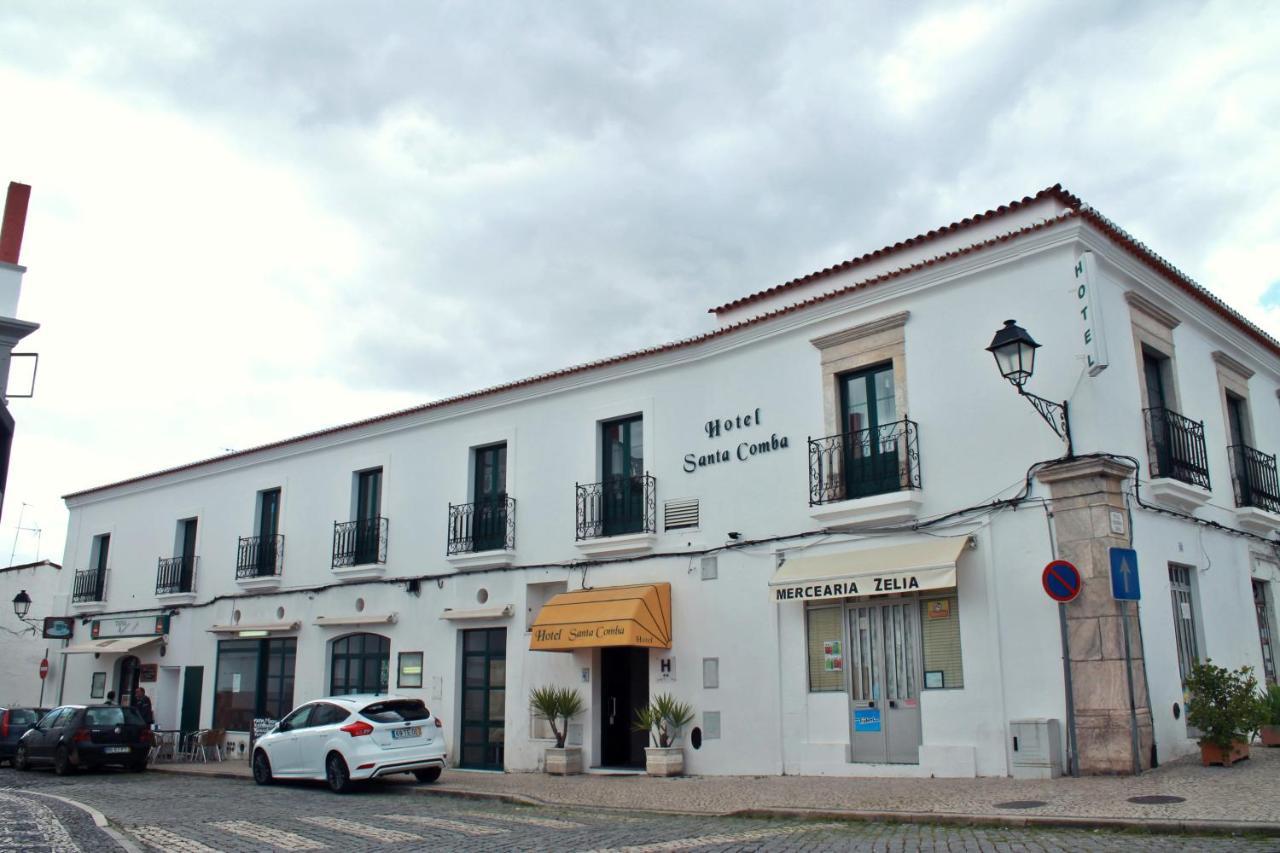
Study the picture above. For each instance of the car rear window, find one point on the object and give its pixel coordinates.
(112, 717)
(396, 711)
(23, 717)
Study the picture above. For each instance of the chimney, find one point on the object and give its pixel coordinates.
(15, 221)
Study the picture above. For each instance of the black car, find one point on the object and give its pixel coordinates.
(14, 722)
(86, 736)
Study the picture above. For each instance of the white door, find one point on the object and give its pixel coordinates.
(884, 682)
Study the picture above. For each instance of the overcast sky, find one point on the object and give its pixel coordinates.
(249, 220)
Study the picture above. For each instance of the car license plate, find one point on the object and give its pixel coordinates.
(116, 749)
(412, 731)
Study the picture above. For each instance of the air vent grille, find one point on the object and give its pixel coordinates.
(679, 514)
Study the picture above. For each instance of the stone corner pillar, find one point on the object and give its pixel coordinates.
(1084, 493)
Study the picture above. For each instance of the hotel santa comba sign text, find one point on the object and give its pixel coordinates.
(743, 451)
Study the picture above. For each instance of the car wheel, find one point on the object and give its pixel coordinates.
(427, 774)
(62, 762)
(20, 759)
(335, 773)
(262, 768)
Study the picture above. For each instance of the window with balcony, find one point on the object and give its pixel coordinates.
(176, 575)
(1175, 443)
(362, 541)
(623, 501)
(262, 554)
(488, 522)
(91, 583)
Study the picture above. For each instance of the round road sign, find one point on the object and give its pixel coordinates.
(1061, 581)
(44, 668)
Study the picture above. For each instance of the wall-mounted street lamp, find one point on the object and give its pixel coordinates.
(1015, 354)
(22, 606)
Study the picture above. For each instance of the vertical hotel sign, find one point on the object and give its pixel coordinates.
(1089, 310)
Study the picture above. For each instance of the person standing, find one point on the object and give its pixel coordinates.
(142, 704)
(111, 697)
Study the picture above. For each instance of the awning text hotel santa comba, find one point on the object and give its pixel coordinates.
(823, 524)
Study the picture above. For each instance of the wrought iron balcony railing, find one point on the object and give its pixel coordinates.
(1253, 474)
(90, 585)
(616, 506)
(260, 556)
(485, 525)
(1176, 448)
(864, 463)
(176, 574)
(360, 542)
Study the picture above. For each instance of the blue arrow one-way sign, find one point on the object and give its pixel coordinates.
(1124, 575)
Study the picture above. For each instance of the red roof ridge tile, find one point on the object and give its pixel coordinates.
(1055, 191)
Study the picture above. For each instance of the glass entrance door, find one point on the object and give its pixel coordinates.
(1264, 631)
(484, 698)
(870, 441)
(885, 672)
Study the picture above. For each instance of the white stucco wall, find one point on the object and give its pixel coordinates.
(21, 650)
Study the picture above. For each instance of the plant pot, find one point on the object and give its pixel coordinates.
(1211, 753)
(563, 762)
(664, 761)
(1270, 735)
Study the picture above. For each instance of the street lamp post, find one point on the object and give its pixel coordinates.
(1015, 354)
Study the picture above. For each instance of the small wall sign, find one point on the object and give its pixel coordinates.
(933, 679)
(940, 609)
(59, 627)
(742, 451)
(667, 669)
(866, 720)
(133, 626)
(148, 672)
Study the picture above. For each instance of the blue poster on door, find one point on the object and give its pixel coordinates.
(866, 720)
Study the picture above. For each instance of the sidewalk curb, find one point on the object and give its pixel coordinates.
(1160, 826)
(1115, 824)
(205, 774)
(99, 819)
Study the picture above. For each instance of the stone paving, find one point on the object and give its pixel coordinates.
(194, 814)
(1248, 793)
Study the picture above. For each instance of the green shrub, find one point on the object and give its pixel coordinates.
(663, 718)
(1271, 705)
(556, 703)
(1224, 704)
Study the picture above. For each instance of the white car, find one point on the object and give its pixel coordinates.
(343, 739)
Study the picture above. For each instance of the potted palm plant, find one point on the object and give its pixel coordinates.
(1225, 707)
(663, 718)
(560, 704)
(1270, 729)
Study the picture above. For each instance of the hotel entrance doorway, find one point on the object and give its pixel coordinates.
(624, 687)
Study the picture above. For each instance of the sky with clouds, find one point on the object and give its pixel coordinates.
(250, 220)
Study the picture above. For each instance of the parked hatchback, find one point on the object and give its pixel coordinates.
(14, 723)
(76, 736)
(343, 739)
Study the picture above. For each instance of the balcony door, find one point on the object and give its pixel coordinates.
(368, 513)
(489, 519)
(621, 468)
(268, 529)
(871, 439)
(188, 554)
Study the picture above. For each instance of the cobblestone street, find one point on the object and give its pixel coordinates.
(184, 813)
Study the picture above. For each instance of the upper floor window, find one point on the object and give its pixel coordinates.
(268, 512)
(368, 494)
(622, 443)
(1156, 370)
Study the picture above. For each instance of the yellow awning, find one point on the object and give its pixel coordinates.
(637, 615)
(930, 564)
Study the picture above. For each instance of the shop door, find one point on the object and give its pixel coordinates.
(192, 690)
(624, 687)
(1264, 631)
(127, 682)
(884, 682)
(484, 698)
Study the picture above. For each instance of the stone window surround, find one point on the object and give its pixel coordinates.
(1234, 377)
(1153, 330)
(877, 342)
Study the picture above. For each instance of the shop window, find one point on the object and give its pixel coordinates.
(409, 670)
(940, 630)
(826, 649)
(254, 679)
(361, 664)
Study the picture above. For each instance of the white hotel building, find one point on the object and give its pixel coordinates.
(823, 524)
